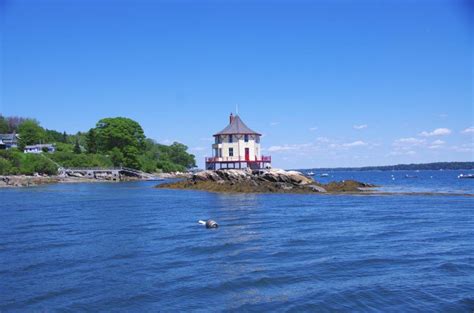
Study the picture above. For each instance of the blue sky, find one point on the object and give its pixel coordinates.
(328, 83)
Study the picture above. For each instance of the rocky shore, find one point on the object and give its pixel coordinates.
(27, 181)
(263, 181)
(30, 181)
(36, 180)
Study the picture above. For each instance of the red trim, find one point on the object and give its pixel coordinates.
(266, 159)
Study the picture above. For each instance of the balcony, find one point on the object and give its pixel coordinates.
(263, 159)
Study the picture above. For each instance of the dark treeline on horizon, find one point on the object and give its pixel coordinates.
(406, 167)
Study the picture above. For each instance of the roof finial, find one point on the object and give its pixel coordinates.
(236, 109)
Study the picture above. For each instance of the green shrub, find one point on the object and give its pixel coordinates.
(5, 167)
(36, 163)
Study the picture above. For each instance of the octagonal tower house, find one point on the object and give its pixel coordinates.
(236, 147)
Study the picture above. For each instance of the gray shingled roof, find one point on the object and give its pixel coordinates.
(237, 127)
(9, 137)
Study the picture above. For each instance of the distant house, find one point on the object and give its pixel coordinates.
(8, 141)
(40, 148)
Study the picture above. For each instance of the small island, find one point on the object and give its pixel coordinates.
(237, 166)
(263, 181)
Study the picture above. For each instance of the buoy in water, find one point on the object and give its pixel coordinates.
(209, 223)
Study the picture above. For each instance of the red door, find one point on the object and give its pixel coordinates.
(247, 154)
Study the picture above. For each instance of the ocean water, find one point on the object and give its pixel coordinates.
(127, 247)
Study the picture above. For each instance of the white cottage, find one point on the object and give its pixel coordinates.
(50, 148)
(237, 146)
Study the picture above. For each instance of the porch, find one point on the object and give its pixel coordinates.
(214, 163)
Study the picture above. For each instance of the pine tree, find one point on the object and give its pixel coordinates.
(77, 147)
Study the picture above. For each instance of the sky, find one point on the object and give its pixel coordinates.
(328, 83)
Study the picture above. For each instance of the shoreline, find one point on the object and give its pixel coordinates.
(21, 181)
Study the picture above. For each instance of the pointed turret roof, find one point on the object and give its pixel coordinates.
(237, 126)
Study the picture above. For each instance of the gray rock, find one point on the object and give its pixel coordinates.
(285, 179)
(316, 188)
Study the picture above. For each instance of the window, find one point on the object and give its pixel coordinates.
(231, 152)
(231, 139)
(246, 138)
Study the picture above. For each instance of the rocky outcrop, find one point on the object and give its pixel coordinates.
(26, 181)
(261, 181)
(172, 175)
(272, 175)
(30, 181)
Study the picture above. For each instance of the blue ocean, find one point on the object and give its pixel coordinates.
(128, 247)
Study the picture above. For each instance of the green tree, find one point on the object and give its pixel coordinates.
(116, 156)
(53, 136)
(77, 147)
(118, 132)
(5, 166)
(131, 157)
(30, 133)
(91, 141)
(36, 163)
(122, 137)
(4, 125)
(178, 154)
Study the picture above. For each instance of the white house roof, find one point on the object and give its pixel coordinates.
(39, 146)
(237, 127)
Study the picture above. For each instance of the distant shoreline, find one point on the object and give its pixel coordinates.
(436, 166)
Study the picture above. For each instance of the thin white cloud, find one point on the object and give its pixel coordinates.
(405, 146)
(437, 144)
(288, 147)
(280, 148)
(312, 129)
(199, 148)
(469, 130)
(348, 145)
(358, 143)
(274, 123)
(322, 139)
(403, 142)
(402, 152)
(467, 147)
(322, 144)
(436, 132)
(166, 141)
(359, 127)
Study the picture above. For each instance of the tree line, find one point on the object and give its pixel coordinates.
(112, 142)
(407, 167)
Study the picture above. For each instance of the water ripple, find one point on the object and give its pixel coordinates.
(91, 248)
